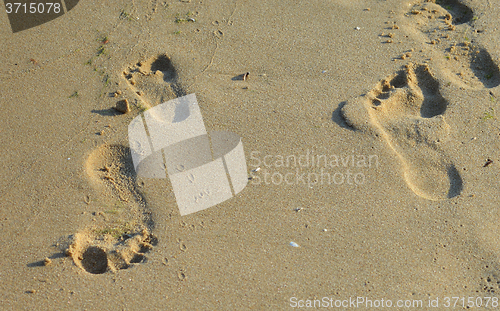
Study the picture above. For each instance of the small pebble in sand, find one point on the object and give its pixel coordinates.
(357, 28)
(294, 244)
(47, 261)
(122, 106)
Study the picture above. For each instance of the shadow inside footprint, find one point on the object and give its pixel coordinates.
(485, 69)
(94, 260)
(460, 12)
(456, 182)
(164, 64)
(434, 103)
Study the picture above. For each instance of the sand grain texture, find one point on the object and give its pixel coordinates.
(412, 84)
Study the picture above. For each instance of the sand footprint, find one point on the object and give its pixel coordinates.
(154, 81)
(447, 28)
(122, 235)
(406, 109)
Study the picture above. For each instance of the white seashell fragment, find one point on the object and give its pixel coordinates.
(294, 244)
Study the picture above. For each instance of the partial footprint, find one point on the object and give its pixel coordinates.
(460, 12)
(121, 236)
(406, 110)
(446, 27)
(111, 172)
(98, 252)
(154, 81)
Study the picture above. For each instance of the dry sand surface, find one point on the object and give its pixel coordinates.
(401, 98)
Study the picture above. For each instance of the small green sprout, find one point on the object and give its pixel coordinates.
(106, 80)
(489, 115)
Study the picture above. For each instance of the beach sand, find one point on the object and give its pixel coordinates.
(401, 97)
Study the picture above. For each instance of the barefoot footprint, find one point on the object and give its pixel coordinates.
(407, 109)
(154, 81)
(448, 30)
(121, 236)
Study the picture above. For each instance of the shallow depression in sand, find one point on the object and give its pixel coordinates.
(407, 109)
(94, 260)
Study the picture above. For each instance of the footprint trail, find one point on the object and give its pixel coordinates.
(121, 236)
